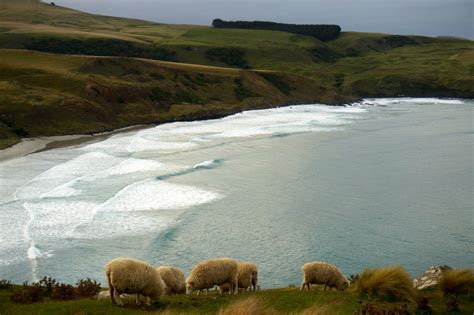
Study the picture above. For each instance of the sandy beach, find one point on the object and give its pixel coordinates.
(32, 145)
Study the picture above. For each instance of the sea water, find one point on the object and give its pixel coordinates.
(380, 182)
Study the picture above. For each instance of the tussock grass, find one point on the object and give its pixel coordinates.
(392, 283)
(317, 310)
(457, 281)
(247, 306)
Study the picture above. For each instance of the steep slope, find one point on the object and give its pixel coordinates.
(45, 94)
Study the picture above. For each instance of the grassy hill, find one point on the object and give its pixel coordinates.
(63, 71)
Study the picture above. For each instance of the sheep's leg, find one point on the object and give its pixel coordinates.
(198, 292)
(148, 301)
(111, 289)
(137, 299)
(325, 287)
(308, 284)
(303, 284)
(112, 293)
(236, 283)
(207, 291)
(118, 298)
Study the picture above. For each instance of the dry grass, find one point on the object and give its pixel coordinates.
(248, 306)
(457, 281)
(391, 283)
(256, 306)
(317, 310)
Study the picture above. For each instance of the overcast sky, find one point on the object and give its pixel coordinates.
(421, 17)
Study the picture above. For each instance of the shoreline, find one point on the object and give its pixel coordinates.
(29, 146)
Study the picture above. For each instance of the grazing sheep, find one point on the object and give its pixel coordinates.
(247, 275)
(131, 276)
(209, 273)
(174, 279)
(323, 273)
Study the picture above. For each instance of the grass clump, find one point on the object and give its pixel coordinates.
(392, 283)
(457, 282)
(317, 310)
(246, 306)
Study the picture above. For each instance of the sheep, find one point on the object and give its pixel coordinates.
(323, 273)
(247, 275)
(174, 279)
(209, 273)
(131, 276)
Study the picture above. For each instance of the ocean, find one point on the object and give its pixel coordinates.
(379, 182)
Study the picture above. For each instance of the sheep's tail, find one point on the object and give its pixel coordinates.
(111, 288)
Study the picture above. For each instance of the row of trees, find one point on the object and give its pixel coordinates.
(100, 47)
(321, 32)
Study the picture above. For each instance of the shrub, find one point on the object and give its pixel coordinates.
(87, 288)
(277, 82)
(28, 294)
(99, 47)
(370, 309)
(399, 41)
(452, 305)
(48, 284)
(241, 92)
(246, 306)
(5, 284)
(391, 283)
(423, 306)
(234, 57)
(457, 281)
(324, 54)
(63, 292)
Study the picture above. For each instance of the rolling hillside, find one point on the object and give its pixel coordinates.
(63, 71)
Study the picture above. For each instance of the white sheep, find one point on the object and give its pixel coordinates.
(131, 276)
(248, 277)
(174, 279)
(323, 273)
(209, 273)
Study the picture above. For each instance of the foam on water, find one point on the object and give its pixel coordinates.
(208, 164)
(129, 166)
(63, 173)
(126, 167)
(421, 101)
(152, 194)
(35, 253)
(142, 144)
(57, 218)
(107, 225)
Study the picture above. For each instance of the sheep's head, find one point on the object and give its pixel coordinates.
(343, 284)
(189, 287)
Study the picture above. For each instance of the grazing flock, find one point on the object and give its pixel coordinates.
(131, 276)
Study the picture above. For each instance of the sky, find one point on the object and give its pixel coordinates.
(418, 17)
